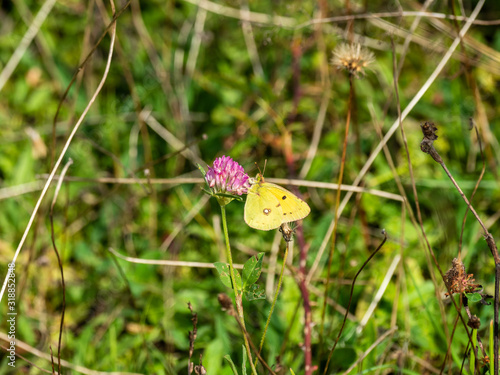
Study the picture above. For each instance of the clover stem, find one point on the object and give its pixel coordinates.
(237, 295)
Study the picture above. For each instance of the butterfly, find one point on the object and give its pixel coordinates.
(269, 205)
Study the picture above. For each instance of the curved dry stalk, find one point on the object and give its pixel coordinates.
(380, 292)
(350, 299)
(369, 350)
(63, 153)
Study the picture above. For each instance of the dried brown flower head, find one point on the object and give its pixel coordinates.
(225, 301)
(429, 130)
(457, 280)
(353, 58)
(474, 322)
(287, 231)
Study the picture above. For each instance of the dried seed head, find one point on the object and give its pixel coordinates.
(474, 322)
(429, 130)
(427, 144)
(287, 231)
(225, 301)
(353, 58)
(457, 280)
(200, 370)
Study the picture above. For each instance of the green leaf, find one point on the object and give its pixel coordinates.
(473, 297)
(293, 373)
(252, 270)
(255, 292)
(227, 357)
(225, 275)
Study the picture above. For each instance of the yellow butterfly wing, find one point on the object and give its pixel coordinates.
(269, 205)
(293, 207)
(262, 209)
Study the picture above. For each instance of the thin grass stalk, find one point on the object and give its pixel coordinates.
(237, 295)
(481, 175)
(337, 204)
(275, 298)
(350, 300)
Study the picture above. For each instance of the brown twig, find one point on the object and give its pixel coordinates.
(52, 360)
(427, 146)
(192, 337)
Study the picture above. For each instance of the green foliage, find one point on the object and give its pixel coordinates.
(251, 273)
(225, 275)
(252, 270)
(215, 87)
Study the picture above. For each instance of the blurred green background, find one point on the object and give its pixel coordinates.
(260, 88)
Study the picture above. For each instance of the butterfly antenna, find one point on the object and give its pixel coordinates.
(265, 164)
(257, 166)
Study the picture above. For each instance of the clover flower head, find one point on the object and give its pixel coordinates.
(353, 58)
(227, 176)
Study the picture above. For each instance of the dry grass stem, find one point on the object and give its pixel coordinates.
(61, 156)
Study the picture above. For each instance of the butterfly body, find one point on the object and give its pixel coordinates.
(269, 205)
